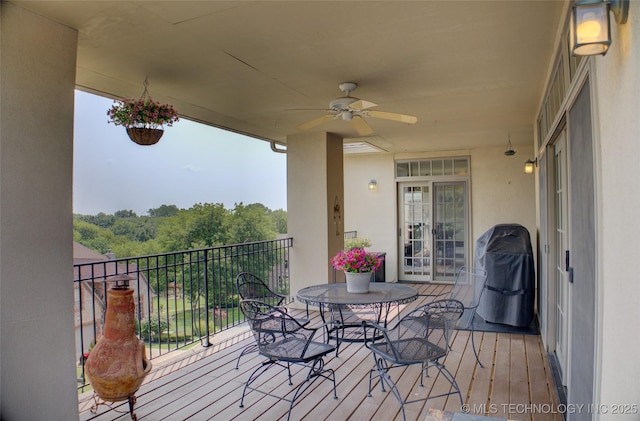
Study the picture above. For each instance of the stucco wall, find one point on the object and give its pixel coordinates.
(372, 213)
(37, 79)
(500, 193)
(616, 82)
(311, 181)
(500, 190)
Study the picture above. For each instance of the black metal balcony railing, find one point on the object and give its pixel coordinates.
(181, 297)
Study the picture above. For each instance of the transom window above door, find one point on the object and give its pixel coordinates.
(432, 167)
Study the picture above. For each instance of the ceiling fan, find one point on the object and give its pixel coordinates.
(353, 109)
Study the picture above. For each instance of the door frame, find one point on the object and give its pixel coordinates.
(555, 253)
(400, 185)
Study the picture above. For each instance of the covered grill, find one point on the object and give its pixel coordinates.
(505, 252)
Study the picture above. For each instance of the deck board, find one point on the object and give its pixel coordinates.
(203, 383)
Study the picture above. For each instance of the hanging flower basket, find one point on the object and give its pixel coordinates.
(143, 118)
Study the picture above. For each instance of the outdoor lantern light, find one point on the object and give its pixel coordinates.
(373, 185)
(590, 32)
(529, 165)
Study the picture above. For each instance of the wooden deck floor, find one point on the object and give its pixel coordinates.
(203, 384)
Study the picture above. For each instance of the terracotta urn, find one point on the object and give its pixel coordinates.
(118, 362)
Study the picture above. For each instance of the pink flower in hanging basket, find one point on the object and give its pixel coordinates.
(142, 113)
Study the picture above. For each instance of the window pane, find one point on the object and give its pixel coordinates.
(448, 167)
(414, 169)
(425, 168)
(461, 167)
(436, 167)
(402, 169)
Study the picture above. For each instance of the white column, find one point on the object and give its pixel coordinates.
(37, 79)
(315, 206)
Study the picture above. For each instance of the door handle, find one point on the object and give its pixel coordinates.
(567, 265)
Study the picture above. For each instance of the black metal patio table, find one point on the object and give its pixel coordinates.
(346, 310)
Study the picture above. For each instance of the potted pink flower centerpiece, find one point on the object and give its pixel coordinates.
(357, 265)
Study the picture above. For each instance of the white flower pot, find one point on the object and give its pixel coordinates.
(358, 283)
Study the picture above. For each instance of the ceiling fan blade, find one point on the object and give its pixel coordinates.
(361, 126)
(361, 104)
(403, 118)
(315, 122)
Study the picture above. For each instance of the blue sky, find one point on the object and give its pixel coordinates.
(192, 163)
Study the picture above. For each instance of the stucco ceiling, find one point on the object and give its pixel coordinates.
(471, 71)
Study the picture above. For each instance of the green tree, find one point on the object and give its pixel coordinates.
(94, 237)
(249, 223)
(164, 211)
(279, 218)
(139, 229)
(101, 219)
(172, 233)
(125, 214)
(168, 228)
(206, 225)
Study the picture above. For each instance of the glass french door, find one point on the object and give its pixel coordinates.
(450, 229)
(433, 230)
(561, 246)
(415, 232)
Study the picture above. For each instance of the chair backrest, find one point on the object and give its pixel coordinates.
(280, 336)
(420, 335)
(250, 287)
(468, 289)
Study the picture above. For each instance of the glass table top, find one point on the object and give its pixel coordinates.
(379, 293)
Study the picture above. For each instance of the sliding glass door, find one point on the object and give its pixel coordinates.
(433, 230)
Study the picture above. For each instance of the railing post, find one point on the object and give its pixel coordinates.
(206, 296)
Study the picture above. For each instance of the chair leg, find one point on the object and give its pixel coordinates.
(386, 378)
(247, 350)
(380, 366)
(370, 381)
(254, 375)
(316, 371)
(473, 342)
(450, 378)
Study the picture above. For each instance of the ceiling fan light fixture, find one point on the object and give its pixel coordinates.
(342, 103)
(353, 110)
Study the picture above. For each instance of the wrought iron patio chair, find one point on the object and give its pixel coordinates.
(468, 289)
(420, 337)
(251, 287)
(283, 340)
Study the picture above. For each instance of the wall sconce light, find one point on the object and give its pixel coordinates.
(373, 185)
(529, 165)
(590, 31)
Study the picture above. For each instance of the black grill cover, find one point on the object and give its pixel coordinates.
(504, 251)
